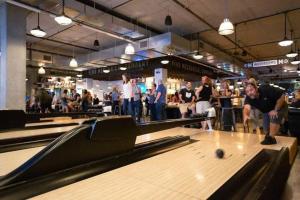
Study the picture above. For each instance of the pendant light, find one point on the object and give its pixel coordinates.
(106, 71)
(63, 19)
(168, 20)
(96, 43)
(129, 50)
(41, 70)
(285, 42)
(197, 55)
(218, 82)
(292, 54)
(38, 32)
(73, 62)
(296, 61)
(239, 82)
(123, 68)
(164, 62)
(226, 27)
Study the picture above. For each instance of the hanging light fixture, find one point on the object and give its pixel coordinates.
(38, 32)
(226, 27)
(239, 82)
(129, 50)
(218, 82)
(96, 43)
(168, 20)
(164, 62)
(296, 61)
(106, 71)
(41, 70)
(197, 55)
(123, 68)
(63, 19)
(73, 62)
(292, 54)
(285, 42)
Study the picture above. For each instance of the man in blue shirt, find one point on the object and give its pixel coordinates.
(160, 101)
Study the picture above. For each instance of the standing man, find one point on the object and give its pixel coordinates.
(187, 100)
(160, 101)
(270, 101)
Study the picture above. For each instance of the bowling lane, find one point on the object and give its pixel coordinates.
(11, 160)
(34, 132)
(192, 171)
(57, 122)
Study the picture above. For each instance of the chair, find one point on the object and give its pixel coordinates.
(225, 112)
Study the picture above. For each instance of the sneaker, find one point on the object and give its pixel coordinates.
(269, 140)
(210, 129)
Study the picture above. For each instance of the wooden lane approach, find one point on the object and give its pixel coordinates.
(189, 172)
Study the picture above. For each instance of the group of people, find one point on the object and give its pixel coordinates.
(46, 102)
(155, 100)
(266, 101)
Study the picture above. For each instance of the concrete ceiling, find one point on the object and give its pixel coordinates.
(258, 27)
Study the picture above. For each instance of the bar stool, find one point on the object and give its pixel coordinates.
(232, 124)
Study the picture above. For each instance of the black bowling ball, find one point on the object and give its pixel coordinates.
(220, 153)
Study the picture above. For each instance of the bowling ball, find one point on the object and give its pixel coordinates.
(220, 153)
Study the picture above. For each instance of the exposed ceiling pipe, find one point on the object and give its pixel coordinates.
(83, 24)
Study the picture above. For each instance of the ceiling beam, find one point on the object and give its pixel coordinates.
(114, 13)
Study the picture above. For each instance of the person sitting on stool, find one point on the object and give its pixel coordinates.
(187, 100)
(270, 101)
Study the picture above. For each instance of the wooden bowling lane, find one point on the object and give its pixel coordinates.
(34, 132)
(11, 160)
(189, 172)
(57, 122)
(192, 171)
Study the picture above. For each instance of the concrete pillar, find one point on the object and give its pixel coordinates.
(13, 57)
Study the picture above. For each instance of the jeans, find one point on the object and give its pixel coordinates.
(152, 111)
(114, 105)
(160, 111)
(136, 110)
(126, 107)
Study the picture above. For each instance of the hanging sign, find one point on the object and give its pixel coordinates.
(267, 63)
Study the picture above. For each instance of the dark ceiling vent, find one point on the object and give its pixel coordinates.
(47, 58)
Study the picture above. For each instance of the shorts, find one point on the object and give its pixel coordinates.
(282, 114)
(184, 107)
(202, 107)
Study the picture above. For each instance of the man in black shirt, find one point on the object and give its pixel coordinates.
(187, 99)
(270, 101)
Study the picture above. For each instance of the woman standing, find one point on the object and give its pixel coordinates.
(127, 94)
(203, 94)
(64, 101)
